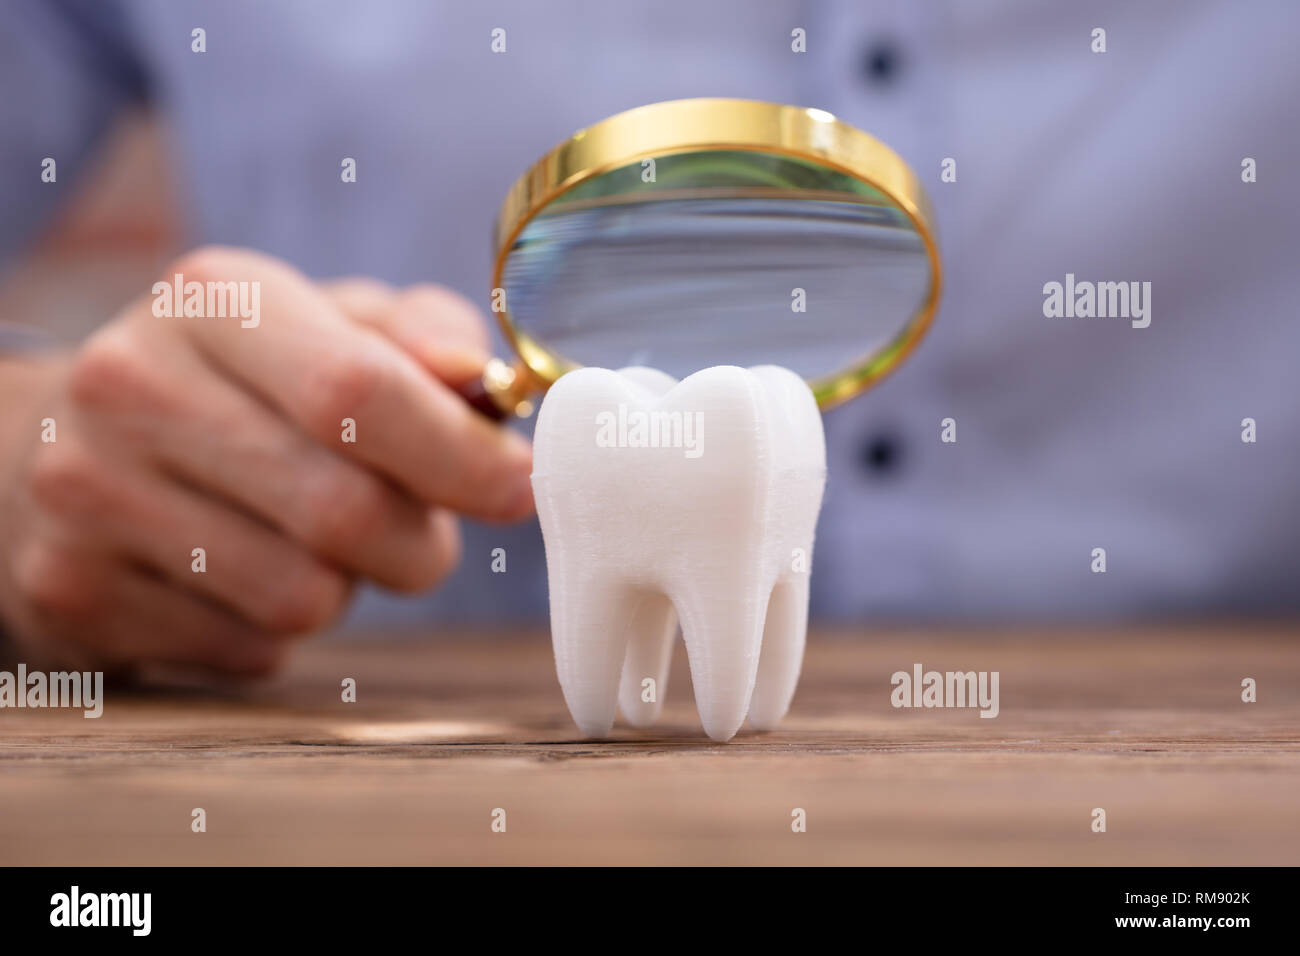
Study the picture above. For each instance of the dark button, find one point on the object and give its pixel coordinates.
(881, 62)
(882, 453)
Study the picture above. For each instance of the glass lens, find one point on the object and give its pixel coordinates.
(718, 258)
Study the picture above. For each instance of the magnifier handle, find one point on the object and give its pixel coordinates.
(500, 392)
(476, 394)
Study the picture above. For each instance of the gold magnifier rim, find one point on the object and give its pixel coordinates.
(697, 125)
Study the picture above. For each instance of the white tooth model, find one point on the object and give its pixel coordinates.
(695, 500)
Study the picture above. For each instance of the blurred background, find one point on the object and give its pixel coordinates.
(1072, 434)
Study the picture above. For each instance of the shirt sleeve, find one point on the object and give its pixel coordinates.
(67, 68)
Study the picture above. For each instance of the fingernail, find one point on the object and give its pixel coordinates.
(455, 363)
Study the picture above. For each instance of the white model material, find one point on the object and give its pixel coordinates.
(695, 500)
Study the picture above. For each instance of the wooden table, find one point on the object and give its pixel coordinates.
(1148, 725)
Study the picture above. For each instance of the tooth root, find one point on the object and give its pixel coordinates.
(589, 626)
(649, 655)
(723, 637)
(782, 655)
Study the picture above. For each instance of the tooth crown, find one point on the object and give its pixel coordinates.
(660, 499)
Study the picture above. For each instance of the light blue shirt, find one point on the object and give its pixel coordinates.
(1072, 434)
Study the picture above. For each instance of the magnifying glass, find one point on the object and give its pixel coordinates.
(702, 232)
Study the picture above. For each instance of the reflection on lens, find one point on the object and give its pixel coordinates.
(696, 273)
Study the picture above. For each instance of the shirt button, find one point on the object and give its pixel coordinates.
(882, 454)
(881, 62)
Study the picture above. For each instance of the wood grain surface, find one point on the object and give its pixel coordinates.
(1147, 724)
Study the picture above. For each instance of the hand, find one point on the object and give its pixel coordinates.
(174, 434)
